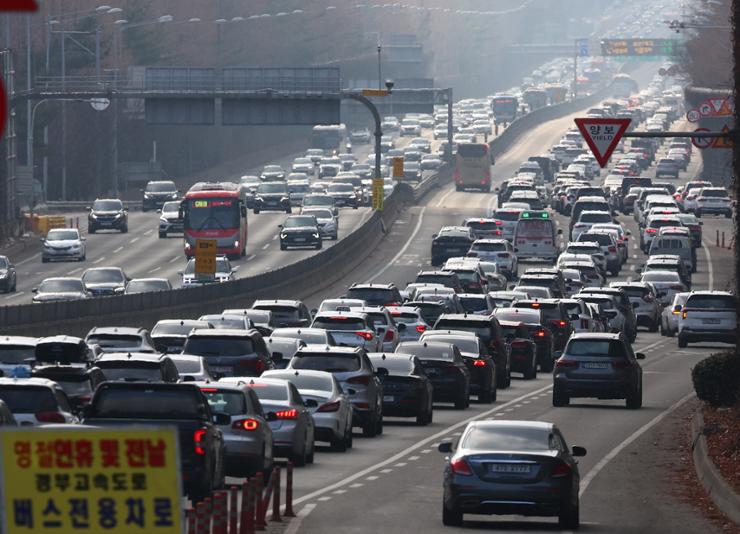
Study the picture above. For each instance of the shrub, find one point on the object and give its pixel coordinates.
(717, 379)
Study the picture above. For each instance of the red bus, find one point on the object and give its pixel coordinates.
(215, 211)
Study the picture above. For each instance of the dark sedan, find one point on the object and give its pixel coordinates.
(511, 468)
(523, 348)
(407, 390)
(300, 231)
(7, 275)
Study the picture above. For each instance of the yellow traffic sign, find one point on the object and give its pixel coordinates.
(398, 167)
(724, 142)
(117, 480)
(375, 92)
(205, 256)
(378, 194)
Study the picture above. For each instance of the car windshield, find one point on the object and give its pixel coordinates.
(317, 201)
(107, 205)
(222, 266)
(333, 363)
(61, 286)
(512, 438)
(600, 348)
(272, 188)
(147, 403)
(143, 286)
(218, 346)
(223, 401)
(272, 168)
(28, 399)
(303, 381)
(160, 187)
(3, 263)
(103, 276)
(131, 371)
(62, 235)
(114, 341)
(275, 392)
(300, 221)
(339, 323)
(14, 354)
(715, 193)
(171, 207)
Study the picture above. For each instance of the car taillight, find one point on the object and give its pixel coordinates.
(540, 333)
(388, 336)
(84, 399)
(199, 437)
(651, 230)
(367, 336)
(566, 363)
(329, 407)
(387, 304)
(460, 467)
(287, 414)
(456, 176)
(362, 379)
(483, 182)
(421, 328)
(560, 323)
(561, 469)
(479, 363)
(50, 417)
(246, 424)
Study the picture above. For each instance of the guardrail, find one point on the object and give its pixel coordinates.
(298, 280)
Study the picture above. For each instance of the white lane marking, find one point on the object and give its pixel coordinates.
(426, 451)
(595, 470)
(400, 464)
(264, 247)
(173, 260)
(295, 524)
(386, 471)
(405, 247)
(339, 492)
(414, 458)
(15, 295)
(444, 197)
(412, 448)
(134, 240)
(274, 238)
(356, 485)
(500, 414)
(99, 260)
(73, 271)
(324, 498)
(154, 270)
(372, 477)
(251, 257)
(710, 269)
(148, 232)
(28, 259)
(119, 249)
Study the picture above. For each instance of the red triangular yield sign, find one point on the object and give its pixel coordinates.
(18, 5)
(602, 135)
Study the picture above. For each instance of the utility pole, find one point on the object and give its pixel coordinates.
(575, 69)
(380, 72)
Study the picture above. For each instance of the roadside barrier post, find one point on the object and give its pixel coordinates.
(289, 491)
(190, 516)
(718, 237)
(234, 509)
(276, 496)
(246, 522)
(260, 523)
(723, 240)
(219, 516)
(203, 518)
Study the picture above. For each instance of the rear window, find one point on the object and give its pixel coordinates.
(478, 225)
(516, 314)
(332, 363)
(74, 386)
(504, 215)
(534, 228)
(464, 344)
(28, 399)
(339, 323)
(472, 150)
(302, 382)
(660, 277)
(131, 371)
(445, 280)
(218, 346)
(722, 302)
(279, 312)
(400, 365)
(371, 295)
(474, 304)
(635, 292)
(490, 247)
(113, 341)
(147, 403)
(265, 392)
(548, 311)
(479, 328)
(717, 193)
(508, 439)
(228, 402)
(187, 366)
(601, 348)
(601, 239)
(16, 353)
(595, 217)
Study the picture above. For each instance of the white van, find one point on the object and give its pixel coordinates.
(535, 236)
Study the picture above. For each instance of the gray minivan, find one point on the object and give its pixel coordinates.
(677, 246)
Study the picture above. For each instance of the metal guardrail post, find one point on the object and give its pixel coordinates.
(246, 522)
(260, 523)
(276, 495)
(289, 491)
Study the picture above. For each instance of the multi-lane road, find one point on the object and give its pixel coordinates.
(395, 480)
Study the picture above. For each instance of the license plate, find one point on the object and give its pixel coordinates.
(431, 372)
(388, 398)
(710, 321)
(220, 369)
(300, 239)
(594, 365)
(509, 468)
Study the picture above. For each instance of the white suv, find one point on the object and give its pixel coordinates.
(708, 316)
(713, 200)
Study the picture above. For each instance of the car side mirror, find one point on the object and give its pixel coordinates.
(125, 209)
(701, 223)
(578, 451)
(234, 268)
(221, 418)
(85, 411)
(280, 226)
(310, 403)
(640, 356)
(557, 354)
(271, 416)
(434, 236)
(401, 327)
(381, 371)
(314, 312)
(83, 238)
(88, 208)
(181, 273)
(560, 231)
(277, 357)
(159, 211)
(35, 290)
(628, 232)
(445, 447)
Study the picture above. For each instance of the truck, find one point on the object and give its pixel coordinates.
(181, 406)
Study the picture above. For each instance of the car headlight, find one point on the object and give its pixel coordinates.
(119, 290)
(283, 236)
(147, 195)
(119, 215)
(93, 216)
(163, 220)
(3, 274)
(258, 198)
(173, 196)
(236, 244)
(283, 199)
(316, 235)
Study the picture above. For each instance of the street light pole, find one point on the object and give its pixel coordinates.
(64, 124)
(380, 74)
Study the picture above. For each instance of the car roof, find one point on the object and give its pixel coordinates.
(61, 339)
(123, 330)
(28, 382)
(132, 356)
(329, 349)
(279, 302)
(212, 332)
(596, 335)
(18, 340)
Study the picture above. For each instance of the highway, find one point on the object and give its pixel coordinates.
(393, 481)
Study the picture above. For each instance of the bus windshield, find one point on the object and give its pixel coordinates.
(212, 214)
(534, 228)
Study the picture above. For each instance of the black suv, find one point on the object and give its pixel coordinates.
(554, 316)
(376, 294)
(78, 382)
(451, 242)
(107, 214)
(272, 196)
(491, 335)
(157, 193)
(299, 231)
